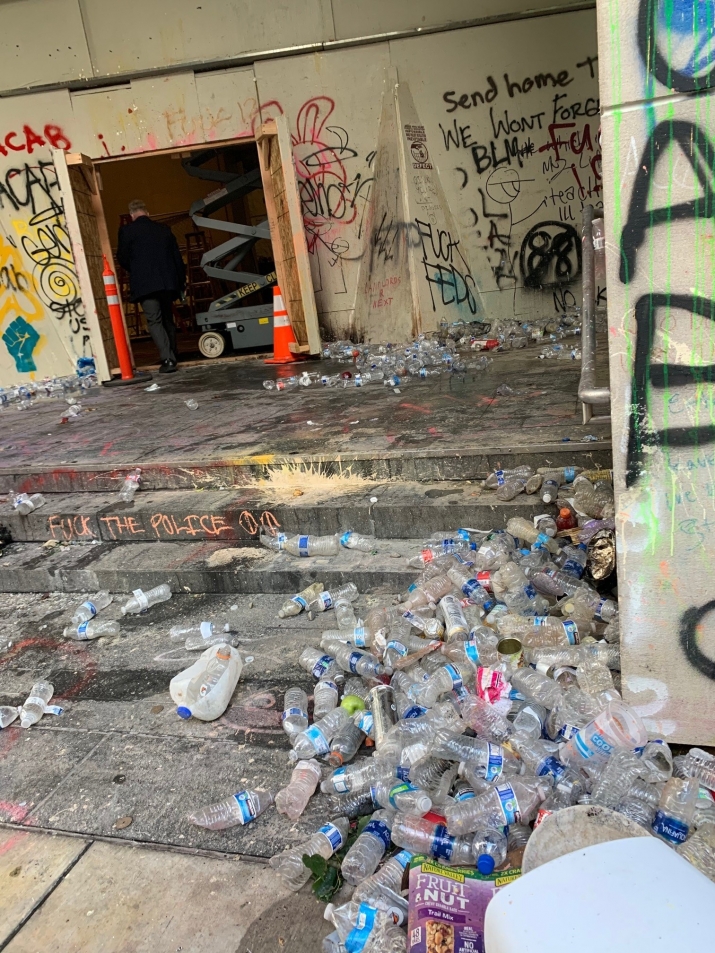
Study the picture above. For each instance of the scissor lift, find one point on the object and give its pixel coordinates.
(248, 327)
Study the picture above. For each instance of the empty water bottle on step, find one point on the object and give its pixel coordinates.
(676, 810)
(497, 477)
(91, 629)
(296, 604)
(326, 600)
(359, 663)
(130, 486)
(293, 798)
(356, 778)
(241, 808)
(312, 545)
(365, 544)
(345, 744)
(367, 851)
(8, 714)
(449, 678)
(141, 600)
(402, 796)
(179, 633)
(90, 608)
(512, 802)
(325, 697)
(37, 701)
(315, 740)
(295, 712)
(319, 664)
(345, 614)
(324, 843)
(25, 504)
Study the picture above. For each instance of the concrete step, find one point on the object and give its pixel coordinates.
(470, 459)
(400, 510)
(208, 567)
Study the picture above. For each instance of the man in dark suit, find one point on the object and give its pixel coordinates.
(157, 275)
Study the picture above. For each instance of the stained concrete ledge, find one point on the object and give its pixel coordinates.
(401, 511)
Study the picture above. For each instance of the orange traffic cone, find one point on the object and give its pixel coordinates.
(283, 335)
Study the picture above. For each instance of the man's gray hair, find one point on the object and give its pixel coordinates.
(137, 205)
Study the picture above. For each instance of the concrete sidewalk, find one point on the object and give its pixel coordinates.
(68, 895)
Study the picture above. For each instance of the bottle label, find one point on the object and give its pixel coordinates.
(35, 700)
(53, 710)
(403, 858)
(427, 555)
(567, 732)
(551, 766)
(345, 539)
(326, 600)
(317, 739)
(82, 630)
(402, 773)
(472, 652)
(379, 830)
(90, 607)
(141, 598)
(334, 836)
(573, 568)
(541, 816)
(463, 534)
(331, 685)
(509, 804)
(207, 630)
(539, 620)
(247, 806)
(598, 609)
(303, 545)
(500, 477)
(300, 601)
(414, 711)
(442, 846)
(670, 828)
(360, 636)
(398, 789)
(541, 540)
(353, 661)
(340, 781)
(293, 713)
(571, 630)
(485, 580)
(589, 746)
(356, 940)
(465, 795)
(495, 762)
(530, 592)
(322, 665)
(455, 676)
(569, 474)
(364, 721)
(398, 647)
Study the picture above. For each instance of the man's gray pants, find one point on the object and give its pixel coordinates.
(160, 322)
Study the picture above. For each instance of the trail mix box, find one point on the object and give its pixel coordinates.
(448, 904)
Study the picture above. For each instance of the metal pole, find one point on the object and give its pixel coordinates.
(588, 392)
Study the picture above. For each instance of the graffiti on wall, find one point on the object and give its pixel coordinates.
(507, 136)
(38, 279)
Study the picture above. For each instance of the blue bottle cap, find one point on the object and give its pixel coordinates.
(183, 712)
(485, 864)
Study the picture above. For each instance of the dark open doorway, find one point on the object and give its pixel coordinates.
(221, 185)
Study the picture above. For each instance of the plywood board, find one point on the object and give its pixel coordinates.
(290, 249)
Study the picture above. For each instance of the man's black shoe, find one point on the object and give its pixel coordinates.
(167, 367)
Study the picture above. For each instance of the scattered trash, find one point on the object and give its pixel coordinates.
(589, 438)
(295, 605)
(89, 609)
(241, 808)
(25, 504)
(152, 387)
(123, 822)
(8, 714)
(36, 704)
(192, 404)
(91, 629)
(204, 690)
(130, 486)
(24, 395)
(141, 600)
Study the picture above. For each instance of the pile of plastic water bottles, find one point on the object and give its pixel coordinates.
(23, 396)
(461, 715)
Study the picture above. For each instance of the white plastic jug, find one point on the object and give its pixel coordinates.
(192, 690)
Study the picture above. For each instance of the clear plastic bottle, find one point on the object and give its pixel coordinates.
(455, 625)
(519, 595)
(325, 697)
(550, 487)
(89, 609)
(319, 664)
(430, 551)
(430, 591)
(637, 810)
(241, 808)
(537, 687)
(387, 877)
(130, 486)
(295, 712)
(617, 726)
(182, 631)
(511, 488)
(676, 810)
(345, 744)
(359, 635)
(420, 620)
(371, 929)
(538, 631)
(422, 836)
(402, 796)
(511, 802)
(348, 805)
(364, 544)
(701, 765)
(656, 762)
(141, 600)
(345, 614)
(324, 843)
(595, 679)
(197, 643)
(546, 525)
(8, 714)
(287, 383)
(466, 580)
(91, 629)
(293, 799)
(34, 707)
(275, 542)
(700, 853)
(530, 721)
(485, 720)
(315, 741)
(356, 778)
(615, 780)
(357, 662)
(312, 546)
(540, 759)
(554, 582)
(498, 477)
(296, 604)
(366, 853)
(403, 645)
(449, 677)
(488, 760)
(523, 529)
(610, 655)
(25, 504)
(327, 600)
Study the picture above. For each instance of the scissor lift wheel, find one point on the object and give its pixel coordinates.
(212, 344)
